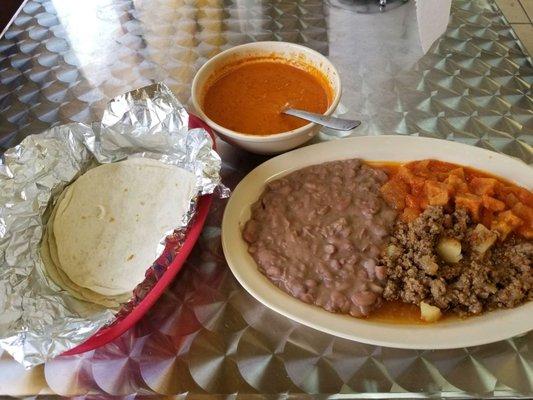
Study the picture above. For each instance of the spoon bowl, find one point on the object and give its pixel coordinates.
(339, 124)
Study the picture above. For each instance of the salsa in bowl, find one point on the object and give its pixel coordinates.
(241, 92)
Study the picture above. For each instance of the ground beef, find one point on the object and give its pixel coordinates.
(500, 278)
(318, 232)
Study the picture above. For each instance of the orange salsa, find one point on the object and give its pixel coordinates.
(398, 313)
(492, 201)
(249, 97)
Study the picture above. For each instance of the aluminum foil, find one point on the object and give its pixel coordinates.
(37, 320)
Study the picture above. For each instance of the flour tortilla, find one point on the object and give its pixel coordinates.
(79, 293)
(50, 261)
(109, 224)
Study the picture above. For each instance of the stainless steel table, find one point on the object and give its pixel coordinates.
(60, 60)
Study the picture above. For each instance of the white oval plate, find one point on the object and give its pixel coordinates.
(487, 328)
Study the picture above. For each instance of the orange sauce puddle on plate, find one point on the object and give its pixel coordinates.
(403, 313)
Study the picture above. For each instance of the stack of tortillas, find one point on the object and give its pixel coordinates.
(106, 227)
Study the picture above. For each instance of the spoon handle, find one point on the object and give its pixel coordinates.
(339, 124)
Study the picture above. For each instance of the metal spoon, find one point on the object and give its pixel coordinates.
(339, 124)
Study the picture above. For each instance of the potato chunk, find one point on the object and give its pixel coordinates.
(471, 202)
(456, 184)
(490, 203)
(429, 266)
(482, 239)
(429, 313)
(394, 193)
(505, 223)
(449, 250)
(410, 214)
(437, 193)
(483, 186)
(459, 172)
(406, 175)
(524, 212)
(509, 199)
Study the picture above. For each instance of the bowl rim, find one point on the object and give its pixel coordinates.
(274, 137)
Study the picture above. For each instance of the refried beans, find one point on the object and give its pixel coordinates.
(317, 233)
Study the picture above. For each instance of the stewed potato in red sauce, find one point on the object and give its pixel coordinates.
(490, 200)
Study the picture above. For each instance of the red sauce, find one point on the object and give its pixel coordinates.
(249, 97)
(490, 200)
(403, 313)
(397, 312)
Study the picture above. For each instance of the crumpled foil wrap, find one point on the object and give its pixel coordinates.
(37, 320)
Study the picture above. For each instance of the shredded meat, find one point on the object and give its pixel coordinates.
(501, 277)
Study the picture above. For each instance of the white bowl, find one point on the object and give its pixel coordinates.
(278, 142)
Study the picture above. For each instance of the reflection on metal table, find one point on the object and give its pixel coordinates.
(61, 61)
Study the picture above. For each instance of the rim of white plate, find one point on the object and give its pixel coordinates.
(452, 333)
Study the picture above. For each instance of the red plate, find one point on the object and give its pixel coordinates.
(107, 334)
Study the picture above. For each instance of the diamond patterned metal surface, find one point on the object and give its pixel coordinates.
(60, 61)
